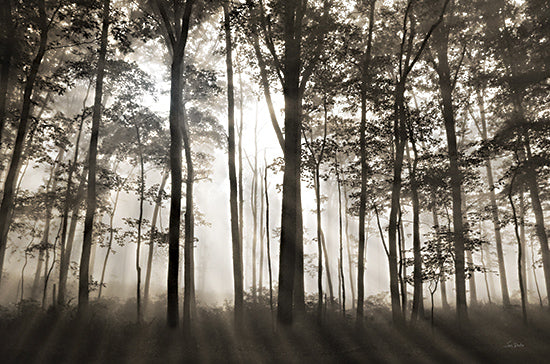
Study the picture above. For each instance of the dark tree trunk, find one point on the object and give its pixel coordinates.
(291, 218)
(68, 246)
(445, 85)
(319, 244)
(235, 228)
(395, 197)
(189, 230)
(522, 288)
(6, 52)
(363, 146)
(17, 154)
(83, 287)
(268, 241)
(177, 40)
(418, 299)
(140, 221)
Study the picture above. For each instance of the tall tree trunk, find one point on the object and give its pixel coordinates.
(45, 242)
(327, 266)
(241, 183)
(365, 69)
(268, 239)
(341, 239)
(9, 185)
(66, 255)
(348, 251)
(189, 222)
(520, 250)
(445, 85)
(6, 52)
(402, 267)
(235, 226)
(418, 299)
(472, 279)
(319, 244)
(156, 212)
(291, 223)
(254, 211)
(63, 259)
(83, 287)
(262, 234)
(140, 221)
(494, 206)
(523, 238)
(399, 140)
(442, 285)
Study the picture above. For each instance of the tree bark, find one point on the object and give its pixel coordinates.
(6, 52)
(445, 85)
(363, 150)
(140, 221)
(83, 287)
(235, 227)
(291, 218)
(9, 185)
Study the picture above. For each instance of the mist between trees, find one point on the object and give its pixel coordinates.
(348, 161)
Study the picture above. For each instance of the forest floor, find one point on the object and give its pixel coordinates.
(493, 335)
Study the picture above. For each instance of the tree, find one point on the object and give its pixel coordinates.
(175, 27)
(235, 228)
(83, 286)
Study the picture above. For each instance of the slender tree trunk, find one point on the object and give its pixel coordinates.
(341, 240)
(327, 266)
(140, 221)
(494, 206)
(9, 184)
(241, 182)
(399, 141)
(417, 305)
(365, 69)
(472, 279)
(254, 211)
(402, 267)
(267, 235)
(485, 275)
(235, 226)
(319, 244)
(63, 259)
(66, 256)
(523, 243)
(189, 222)
(45, 243)
(348, 251)
(445, 85)
(520, 250)
(83, 287)
(262, 234)
(156, 212)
